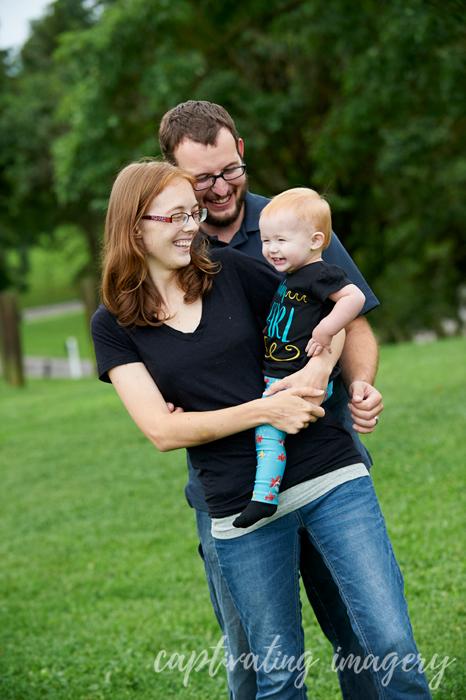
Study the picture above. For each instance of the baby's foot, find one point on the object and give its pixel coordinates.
(254, 512)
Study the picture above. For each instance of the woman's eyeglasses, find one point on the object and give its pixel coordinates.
(181, 219)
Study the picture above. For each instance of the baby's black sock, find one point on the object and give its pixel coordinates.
(254, 512)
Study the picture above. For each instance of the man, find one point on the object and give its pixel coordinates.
(201, 138)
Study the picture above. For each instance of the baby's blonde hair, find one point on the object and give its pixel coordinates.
(308, 206)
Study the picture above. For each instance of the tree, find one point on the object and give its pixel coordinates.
(364, 101)
(30, 88)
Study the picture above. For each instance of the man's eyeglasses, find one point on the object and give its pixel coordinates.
(203, 183)
(181, 219)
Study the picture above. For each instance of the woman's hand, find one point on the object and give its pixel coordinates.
(291, 410)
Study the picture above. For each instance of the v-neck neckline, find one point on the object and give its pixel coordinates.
(190, 335)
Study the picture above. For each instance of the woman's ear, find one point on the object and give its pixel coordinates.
(317, 240)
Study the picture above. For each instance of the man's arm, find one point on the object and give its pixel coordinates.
(358, 364)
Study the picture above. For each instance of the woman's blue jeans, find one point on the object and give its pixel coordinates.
(261, 572)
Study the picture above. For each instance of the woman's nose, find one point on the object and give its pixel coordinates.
(191, 225)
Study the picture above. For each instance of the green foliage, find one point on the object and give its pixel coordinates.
(98, 547)
(31, 88)
(395, 140)
(363, 102)
(55, 266)
(367, 105)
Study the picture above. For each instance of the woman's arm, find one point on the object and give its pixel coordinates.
(316, 372)
(288, 411)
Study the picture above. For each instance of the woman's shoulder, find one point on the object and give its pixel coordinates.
(103, 317)
(225, 252)
(242, 264)
(104, 322)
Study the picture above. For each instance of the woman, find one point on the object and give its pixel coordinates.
(180, 326)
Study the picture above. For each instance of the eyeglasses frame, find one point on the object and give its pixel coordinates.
(222, 175)
(168, 219)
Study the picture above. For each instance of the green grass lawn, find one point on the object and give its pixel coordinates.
(46, 337)
(99, 569)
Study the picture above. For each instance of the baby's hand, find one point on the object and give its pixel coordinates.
(313, 349)
(318, 342)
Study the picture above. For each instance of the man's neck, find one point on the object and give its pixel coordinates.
(224, 233)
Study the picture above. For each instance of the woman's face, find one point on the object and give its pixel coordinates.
(168, 245)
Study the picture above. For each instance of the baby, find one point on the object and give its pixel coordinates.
(313, 303)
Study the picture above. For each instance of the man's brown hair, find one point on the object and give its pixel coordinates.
(127, 289)
(198, 121)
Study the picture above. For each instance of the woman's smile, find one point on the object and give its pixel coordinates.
(183, 243)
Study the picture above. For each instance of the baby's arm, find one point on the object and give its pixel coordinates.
(349, 301)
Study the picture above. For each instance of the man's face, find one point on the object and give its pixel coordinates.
(224, 201)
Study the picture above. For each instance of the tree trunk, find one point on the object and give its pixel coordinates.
(90, 296)
(10, 339)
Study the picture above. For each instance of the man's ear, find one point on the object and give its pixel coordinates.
(317, 240)
(241, 148)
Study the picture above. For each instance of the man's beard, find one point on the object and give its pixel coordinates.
(224, 222)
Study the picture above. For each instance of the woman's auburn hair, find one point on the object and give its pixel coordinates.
(127, 289)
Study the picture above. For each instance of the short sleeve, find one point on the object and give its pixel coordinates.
(329, 279)
(336, 254)
(112, 343)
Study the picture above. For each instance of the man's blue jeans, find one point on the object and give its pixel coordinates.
(261, 572)
(241, 681)
(321, 590)
(324, 596)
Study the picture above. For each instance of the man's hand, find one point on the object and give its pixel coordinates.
(365, 406)
(174, 409)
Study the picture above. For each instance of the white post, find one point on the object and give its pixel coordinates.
(76, 371)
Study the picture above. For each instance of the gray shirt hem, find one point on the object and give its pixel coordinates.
(292, 499)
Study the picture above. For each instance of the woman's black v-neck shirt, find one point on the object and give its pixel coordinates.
(217, 366)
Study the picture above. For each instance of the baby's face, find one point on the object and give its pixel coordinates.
(288, 243)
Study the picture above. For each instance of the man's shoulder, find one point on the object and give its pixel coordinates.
(254, 205)
(257, 199)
